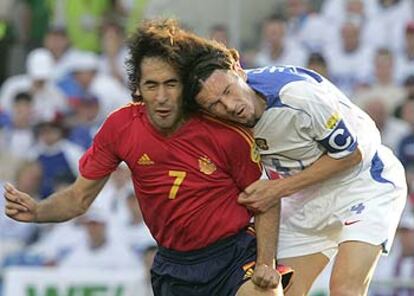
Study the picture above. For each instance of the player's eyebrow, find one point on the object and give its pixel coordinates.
(148, 82)
(172, 80)
(226, 88)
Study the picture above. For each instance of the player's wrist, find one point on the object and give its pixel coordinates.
(269, 262)
(36, 214)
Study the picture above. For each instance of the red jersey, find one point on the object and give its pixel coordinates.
(187, 184)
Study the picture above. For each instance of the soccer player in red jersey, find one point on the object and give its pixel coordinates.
(187, 172)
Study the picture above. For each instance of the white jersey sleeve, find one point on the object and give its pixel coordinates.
(327, 125)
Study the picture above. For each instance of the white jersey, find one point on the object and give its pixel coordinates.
(307, 117)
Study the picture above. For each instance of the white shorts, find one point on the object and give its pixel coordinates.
(366, 208)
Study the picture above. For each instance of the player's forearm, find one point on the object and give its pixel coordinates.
(267, 233)
(60, 206)
(324, 168)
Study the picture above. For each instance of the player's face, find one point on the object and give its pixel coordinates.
(161, 90)
(227, 95)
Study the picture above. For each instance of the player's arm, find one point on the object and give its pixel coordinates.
(267, 232)
(60, 206)
(262, 195)
(245, 166)
(324, 168)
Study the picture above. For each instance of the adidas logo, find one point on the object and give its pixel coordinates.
(145, 160)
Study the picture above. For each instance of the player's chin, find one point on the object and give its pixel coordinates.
(250, 123)
(247, 122)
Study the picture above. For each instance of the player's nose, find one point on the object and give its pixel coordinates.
(161, 96)
(229, 105)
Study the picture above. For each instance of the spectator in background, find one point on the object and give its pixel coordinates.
(276, 48)
(8, 161)
(347, 58)
(55, 154)
(83, 20)
(100, 250)
(388, 22)
(405, 57)
(130, 11)
(409, 87)
(383, 82)
(15, 236)
(83, 122)
(392, 129)
(19, 133)
(220, 33)
(76, 84)
(409, 94)
(406, 146)
(317, 63)
(35, 17)
(84, 81)
(48, 101)
(114, 52)
(304, 27)
(58, 43)
(337, 11)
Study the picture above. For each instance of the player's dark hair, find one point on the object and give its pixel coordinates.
(206, 57)
(193, 57)
(153, 38)
(22, 97)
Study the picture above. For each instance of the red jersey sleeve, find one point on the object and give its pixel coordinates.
(101, 158)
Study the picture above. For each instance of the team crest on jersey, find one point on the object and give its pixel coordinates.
(248, 270)
(206, 165)
(332, 121)
(254, 153)
(261, 143)
(145, 160)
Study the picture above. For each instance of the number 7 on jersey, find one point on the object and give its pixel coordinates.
(179, 178)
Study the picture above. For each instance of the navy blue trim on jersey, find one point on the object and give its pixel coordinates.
(268, 81)
(377, 167)
(339, 140)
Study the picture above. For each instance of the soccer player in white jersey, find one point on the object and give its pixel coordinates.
(343, 191)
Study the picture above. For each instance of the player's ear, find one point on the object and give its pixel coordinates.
(136, 95)
(236, 64)
(239, 70)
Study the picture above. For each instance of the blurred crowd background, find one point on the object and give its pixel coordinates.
(62, 71)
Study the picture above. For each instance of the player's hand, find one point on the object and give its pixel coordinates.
(262, 195)
(265, 277)
(19, 205)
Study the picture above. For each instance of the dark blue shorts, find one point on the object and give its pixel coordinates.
(217, 270)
